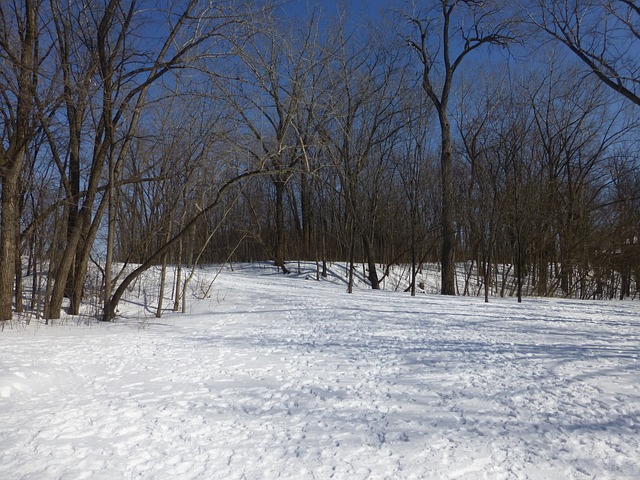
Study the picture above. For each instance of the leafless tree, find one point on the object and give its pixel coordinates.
(364, 120)
(271, 90)
(603, 34)
(124, 71)
(444, 36)
(22, 52)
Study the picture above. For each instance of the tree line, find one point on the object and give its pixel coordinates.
(502, 136)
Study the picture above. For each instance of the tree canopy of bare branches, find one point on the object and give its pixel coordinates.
(137, 133)
(603, 34)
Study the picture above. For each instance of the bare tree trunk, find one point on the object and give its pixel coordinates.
(185, 284)
(53, 304)
(13, 156)
(447, 256)
(163, 277)
(371, 263)
(81, 263)
(352, 247)
(305, 206)
(19, 289)
(487, 278)
(414, 259)
(9, 235)
(111, 226)
(35, 255)
(325, 274)
(279, 246)
(178, 288)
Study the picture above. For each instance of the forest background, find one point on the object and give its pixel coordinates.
(498, 135)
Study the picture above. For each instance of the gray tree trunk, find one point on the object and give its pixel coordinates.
(447, 256)
(9, 235)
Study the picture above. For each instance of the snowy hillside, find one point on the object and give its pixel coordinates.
(285, 377)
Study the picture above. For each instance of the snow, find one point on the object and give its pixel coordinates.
(285, 377)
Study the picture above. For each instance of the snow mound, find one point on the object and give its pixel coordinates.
(30, 380)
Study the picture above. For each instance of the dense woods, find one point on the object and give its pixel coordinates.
(498, 136)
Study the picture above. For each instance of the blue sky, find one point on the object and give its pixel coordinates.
(366, 8)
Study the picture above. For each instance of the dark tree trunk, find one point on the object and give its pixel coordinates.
(19, 291)
(280, 234)
(305, 206)
(12, 158)
(447, 257)
(9, 235)
(372, 274)
(352, 248)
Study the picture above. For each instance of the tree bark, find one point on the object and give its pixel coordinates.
(447, 256)
(178, 279)
(163, 276)
(9, 234)
(280, 235)
(305, 206)
(371, 263)
(12, 158)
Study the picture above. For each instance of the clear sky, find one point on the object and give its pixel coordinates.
(369, 9)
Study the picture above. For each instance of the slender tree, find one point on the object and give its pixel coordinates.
(21, 61)
(270, 91)
(446, 35)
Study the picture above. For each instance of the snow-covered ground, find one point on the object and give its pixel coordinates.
(285, 377)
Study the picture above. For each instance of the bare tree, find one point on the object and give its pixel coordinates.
(364, 120)
(268, 92)
(623, 246)
(124, 71)
(21, 60)
(482, 108)
(444, 39)
(416, 172)
(603, 34)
